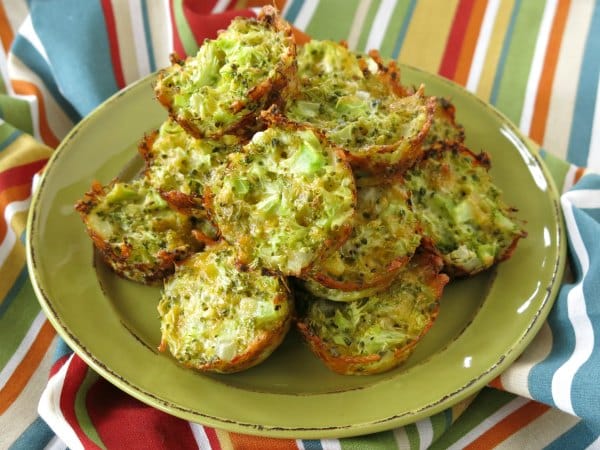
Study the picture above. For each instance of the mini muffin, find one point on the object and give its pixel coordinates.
(376, 333)
(461, 210)
(219, 319)
(354, 100)
(222, 88)
(179, 166)
(444, 127)
(286, 199)
(138, 235)
(385, 235)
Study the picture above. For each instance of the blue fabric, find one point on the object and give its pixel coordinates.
(91, 80)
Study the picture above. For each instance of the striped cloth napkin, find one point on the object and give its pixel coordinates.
(535, 60)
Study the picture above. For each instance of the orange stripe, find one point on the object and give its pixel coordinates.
(26, 88)
(12, 194)
(509, 425)
(256, 442)
(300, 36)
(579, 172)
(470, 41)
(542, 100)
(497, 383)
(27, 367)
(6, 34)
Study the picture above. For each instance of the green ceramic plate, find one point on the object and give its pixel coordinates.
(484, 323)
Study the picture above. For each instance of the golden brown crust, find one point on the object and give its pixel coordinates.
(337, 357)
(384, 278)
(370, 157)
(488, 195)
(119, 258)
(260, 349)
(216, 319)
(257, 97)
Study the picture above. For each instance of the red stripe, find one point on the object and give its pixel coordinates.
(20, 174)
(456, 38)
(213, 439)
(76, 372)
(177, 44)
(203, 7)
(497, 383)
(58, 364)
(111, 30)
(124, 422)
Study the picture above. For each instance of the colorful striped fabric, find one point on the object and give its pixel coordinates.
(535, 60)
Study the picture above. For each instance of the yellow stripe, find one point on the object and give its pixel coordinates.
(461, 406)
(427, 33)
(126, 41)
(21, 151)
(224, 439)
(486, 82)
(564, 88)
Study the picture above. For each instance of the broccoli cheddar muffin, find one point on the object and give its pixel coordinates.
(138, 235)
(385, 234)
(219, 319)
(223, 87)
(286, 199)
(461, 210)
(379, 332)
(180, 166)
(354, 101)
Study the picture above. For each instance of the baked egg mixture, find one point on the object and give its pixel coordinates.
(298, 187)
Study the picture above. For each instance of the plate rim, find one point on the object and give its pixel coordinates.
(471, 387)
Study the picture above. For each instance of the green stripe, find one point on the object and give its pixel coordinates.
(488, 401)
(367, 26)
(6, 131)
(83, 419)
(517, 65)
(183, 28)
(440, 423)
(412, 433)
(17, 112)
(332, 20)
(394, 28)
(3, 89)
(377, 441)
(16, 320)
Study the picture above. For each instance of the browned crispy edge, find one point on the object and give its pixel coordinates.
(119, 262)
(268, 90)
(365, 161)
(256, 352)
(368, 364)
(479, 159)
